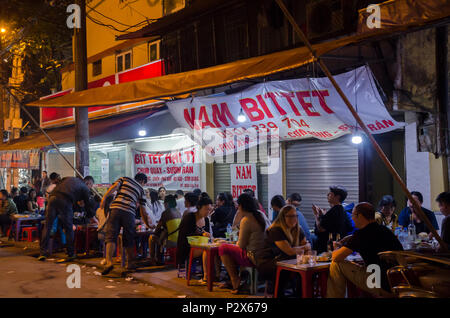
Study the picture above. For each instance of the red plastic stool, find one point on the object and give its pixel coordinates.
(29, 233)
(171, 252)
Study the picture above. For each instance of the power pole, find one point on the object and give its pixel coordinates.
(81, 113)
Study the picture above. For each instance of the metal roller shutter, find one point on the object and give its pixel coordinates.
(313, 165)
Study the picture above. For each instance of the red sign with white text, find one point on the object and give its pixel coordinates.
(57, 116)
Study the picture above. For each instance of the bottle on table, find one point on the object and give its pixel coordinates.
(228, 233)
(330, 243)
(411, 230)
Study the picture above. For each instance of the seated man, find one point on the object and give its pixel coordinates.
(276, 203)
(166, 230)
(369, 240)
(443, 201)
(7, 208)
(21, 200)
(405, 215)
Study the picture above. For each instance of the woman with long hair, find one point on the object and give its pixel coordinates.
(194, 224)
(283, 240)
(251, 239)
(162, 192)
(32, 201)
(155, 206)
(222, 215)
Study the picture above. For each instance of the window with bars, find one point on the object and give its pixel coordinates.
(236, 34)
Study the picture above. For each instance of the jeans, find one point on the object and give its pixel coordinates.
(57, 227)
(61, 208)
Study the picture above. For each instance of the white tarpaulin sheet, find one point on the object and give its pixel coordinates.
(283, 110)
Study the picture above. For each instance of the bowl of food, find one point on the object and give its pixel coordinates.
(198, 240)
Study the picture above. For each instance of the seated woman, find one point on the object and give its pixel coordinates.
(164, 230)
(194, 224)
(222, 215)
(283, 240)
(32, 205)
(251, 239)
(386, 215)
(155, 206)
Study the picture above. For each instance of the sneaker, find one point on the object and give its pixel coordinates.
(107, 270)
(67, 259)
(42, 258)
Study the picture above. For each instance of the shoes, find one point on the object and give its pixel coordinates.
(42, 258)
(107, 270)
(67, 259)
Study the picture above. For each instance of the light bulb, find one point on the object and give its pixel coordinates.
(356, 139)
(142, 132)
(241, 118)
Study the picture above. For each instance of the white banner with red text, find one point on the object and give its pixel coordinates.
(243, 176)
(283, 110)
(174, 170)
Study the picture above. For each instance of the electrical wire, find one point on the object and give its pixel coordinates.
(113, 27)
(109, 18)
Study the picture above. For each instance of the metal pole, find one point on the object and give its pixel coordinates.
(81, 113)
(378, 149)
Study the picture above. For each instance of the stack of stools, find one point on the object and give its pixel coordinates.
(29, 233)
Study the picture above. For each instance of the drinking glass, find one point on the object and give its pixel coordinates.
(312, 257)
(300, 256)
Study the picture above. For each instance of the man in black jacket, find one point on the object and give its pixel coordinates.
(60, 204)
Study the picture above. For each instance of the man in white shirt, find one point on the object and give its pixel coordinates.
(180, 201)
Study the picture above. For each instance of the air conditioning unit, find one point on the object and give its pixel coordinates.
(324, 18)
(5, 136)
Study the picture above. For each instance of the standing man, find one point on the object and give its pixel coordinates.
(45, 182)
(95, 199)
(333, 221)
(60, 205)
(130, 196)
